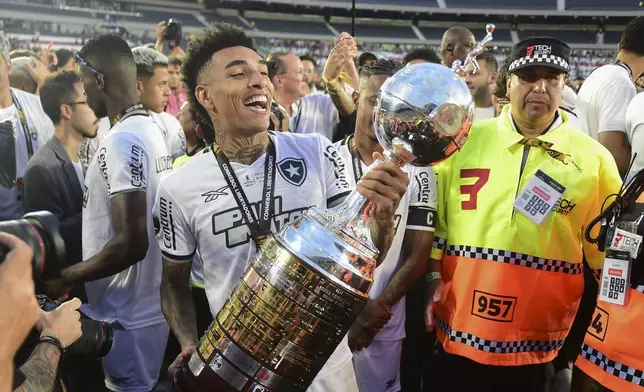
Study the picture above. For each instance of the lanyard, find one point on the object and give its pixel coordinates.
(547, 147)
(259, 228)
(134, 110)
(29, 136)
(355, 158)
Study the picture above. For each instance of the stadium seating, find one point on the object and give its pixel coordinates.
(291, 26)
(382, 31)
(613, 5)
(503, 4)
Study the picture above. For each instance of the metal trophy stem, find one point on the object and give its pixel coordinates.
(459, 67)
(305, 287)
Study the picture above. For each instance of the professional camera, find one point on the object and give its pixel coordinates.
(173, 32)
(40, 230)
(96, 338)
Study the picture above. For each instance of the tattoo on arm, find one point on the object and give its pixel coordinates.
(417, 246)
(382, 236)
(177, 303)
(40, 370)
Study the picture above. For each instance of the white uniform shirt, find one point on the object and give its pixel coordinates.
(41, 129)
(172, 131)
(197, 210)
(132, 157)
(314, 113)
(635, 132)
(603, 98)
(483, 113)
(170, 127)
(416, 211)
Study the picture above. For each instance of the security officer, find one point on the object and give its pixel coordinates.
(513, 206)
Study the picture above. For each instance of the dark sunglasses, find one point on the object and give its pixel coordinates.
(85, 64)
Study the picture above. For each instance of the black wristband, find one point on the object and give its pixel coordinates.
(53, 341)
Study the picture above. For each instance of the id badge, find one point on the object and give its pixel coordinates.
(626, 241)
(537, 199)
(615, 276)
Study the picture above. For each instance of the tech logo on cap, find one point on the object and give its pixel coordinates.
(541, 51)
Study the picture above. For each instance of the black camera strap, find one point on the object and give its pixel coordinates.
(355, 158)
(260, 228)
(29, 136)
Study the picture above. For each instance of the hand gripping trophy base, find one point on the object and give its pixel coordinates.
(296, 301)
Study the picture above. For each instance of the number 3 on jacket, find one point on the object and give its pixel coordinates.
(482, 176)
(493, 307)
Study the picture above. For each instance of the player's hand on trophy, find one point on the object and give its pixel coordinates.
(384, 185)
(183, 357)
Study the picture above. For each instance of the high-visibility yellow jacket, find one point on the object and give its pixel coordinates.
(512, 287)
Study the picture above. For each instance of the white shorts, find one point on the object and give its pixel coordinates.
(341, 380)
(134, 363)
(378, 366)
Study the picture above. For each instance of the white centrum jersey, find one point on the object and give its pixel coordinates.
(197, 210)
(132, 157)
(169, 126)
(416, 211)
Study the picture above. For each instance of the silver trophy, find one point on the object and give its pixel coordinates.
(308, 283)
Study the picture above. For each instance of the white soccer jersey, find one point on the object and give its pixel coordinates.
(416, 211)
(132, 157)
(197, 210)
(603, 98)
(14, 148)
(172, 131)
(170, 127)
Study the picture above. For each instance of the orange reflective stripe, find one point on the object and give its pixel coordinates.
(612, 350)
(506, 308)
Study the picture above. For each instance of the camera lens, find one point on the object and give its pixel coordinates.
(95, 341)
(40, 230)
(173, 31)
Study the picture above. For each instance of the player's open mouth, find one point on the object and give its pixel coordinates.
(257, 103)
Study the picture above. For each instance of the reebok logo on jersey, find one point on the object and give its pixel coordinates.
(563, 206)
(167, 224)
(422, 179)
(232, 222)
(340, 170)
(214, 195)
(293, 170)
(102, 165)
(137, 178)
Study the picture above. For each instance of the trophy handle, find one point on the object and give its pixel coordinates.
(459, 67)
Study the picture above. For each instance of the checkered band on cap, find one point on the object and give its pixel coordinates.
(514, 258)
(537, 59)
(494, 346)
(626, 373)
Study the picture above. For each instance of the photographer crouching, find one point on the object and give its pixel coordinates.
(52, 356)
